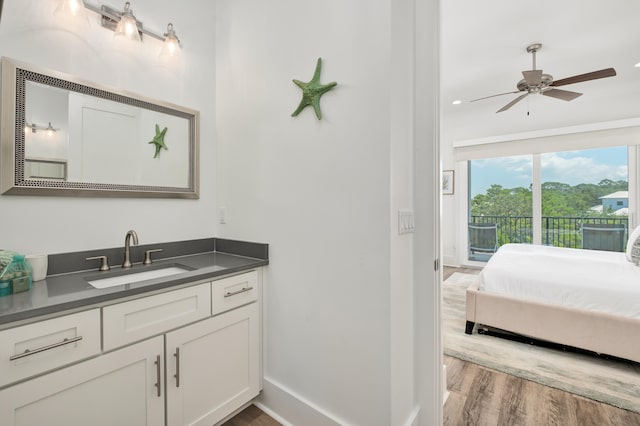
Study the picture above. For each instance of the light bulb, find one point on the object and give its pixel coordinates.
(72, 8)
(128, 25)
(171, 45)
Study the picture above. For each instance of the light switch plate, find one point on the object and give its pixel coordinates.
(406, 222)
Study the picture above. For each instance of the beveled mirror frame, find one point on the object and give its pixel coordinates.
(12, 138)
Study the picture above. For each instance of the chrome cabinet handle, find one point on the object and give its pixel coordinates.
(29, 352)
(177, 375)
(233, 293)
(158, 384)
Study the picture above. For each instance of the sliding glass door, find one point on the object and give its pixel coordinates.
(577, 199)
(585, 198)
(500, 204)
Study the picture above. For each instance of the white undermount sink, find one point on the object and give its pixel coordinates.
(135, 277)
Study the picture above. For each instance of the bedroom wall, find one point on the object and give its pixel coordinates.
(30, 33)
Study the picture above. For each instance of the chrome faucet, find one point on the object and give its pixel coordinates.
(126, 263)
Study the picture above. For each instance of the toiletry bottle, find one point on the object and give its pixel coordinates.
(5, 287)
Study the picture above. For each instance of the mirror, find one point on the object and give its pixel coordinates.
(65, 136)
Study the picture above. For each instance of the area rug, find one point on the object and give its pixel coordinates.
(614, 382)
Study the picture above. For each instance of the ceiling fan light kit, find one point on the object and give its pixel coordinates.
(536, 82)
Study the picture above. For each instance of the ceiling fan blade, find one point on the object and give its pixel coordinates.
(493, 96)
(533, 77)
(565, 95)
(512, 103)
(607, 72)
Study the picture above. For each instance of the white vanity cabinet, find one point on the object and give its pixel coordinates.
(212, 367)
(117, 388)
(205, 337)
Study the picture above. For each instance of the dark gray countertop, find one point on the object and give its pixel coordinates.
(58, 293)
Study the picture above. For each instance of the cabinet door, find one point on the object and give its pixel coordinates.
(213, 367)
(118, 388)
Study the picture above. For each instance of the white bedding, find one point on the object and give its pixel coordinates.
(586, 279)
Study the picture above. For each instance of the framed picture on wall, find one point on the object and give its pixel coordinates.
(447, 182)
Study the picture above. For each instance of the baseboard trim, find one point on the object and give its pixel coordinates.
(450, 261)
(445, 391)
(413, 417)
(290, 409)
(270, 413)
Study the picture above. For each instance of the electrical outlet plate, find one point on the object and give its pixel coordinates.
(222, 215)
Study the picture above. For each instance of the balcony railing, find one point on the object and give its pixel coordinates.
(556, 231)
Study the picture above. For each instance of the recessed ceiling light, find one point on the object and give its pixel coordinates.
(637, 65)
(458, 102)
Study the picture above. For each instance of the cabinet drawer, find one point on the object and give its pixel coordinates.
(35, 348)
(235, 291)
(138, 319)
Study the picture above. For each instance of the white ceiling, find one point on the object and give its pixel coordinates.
(484, 53)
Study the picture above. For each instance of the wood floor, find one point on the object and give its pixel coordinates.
(480, 396)
(251, 416)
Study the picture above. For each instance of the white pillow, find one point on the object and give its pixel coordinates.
(632, 239)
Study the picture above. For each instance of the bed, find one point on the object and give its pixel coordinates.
(585, 299)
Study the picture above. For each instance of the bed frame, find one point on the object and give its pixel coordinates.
(593, 331)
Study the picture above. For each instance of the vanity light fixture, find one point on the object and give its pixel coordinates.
(125, 25)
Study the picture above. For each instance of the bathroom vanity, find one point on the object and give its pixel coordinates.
(183, 349)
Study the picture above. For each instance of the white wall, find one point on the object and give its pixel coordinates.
(324, 195)
(29, 33)
(317, 191)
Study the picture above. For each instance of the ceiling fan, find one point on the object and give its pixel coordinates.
(535, 81)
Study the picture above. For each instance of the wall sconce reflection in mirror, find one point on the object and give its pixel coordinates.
(123, 23)
(33, 128)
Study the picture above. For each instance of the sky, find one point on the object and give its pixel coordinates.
(570, 167)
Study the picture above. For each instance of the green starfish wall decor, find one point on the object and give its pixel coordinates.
(312, 91)
(158, 140)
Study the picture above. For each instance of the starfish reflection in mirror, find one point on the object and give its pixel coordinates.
(158, 140)
(312, 91)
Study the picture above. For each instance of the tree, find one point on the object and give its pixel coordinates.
(558, 199)
(499, 201)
